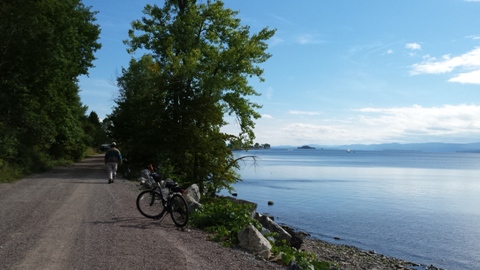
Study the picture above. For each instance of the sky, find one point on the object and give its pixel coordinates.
(341, 71)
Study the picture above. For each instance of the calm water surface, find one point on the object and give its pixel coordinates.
(422, 207)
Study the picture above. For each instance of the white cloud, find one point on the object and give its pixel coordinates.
(422, 123)
(390, 51)
(267, 116)
(469, 77)
(469, 62)
(443, 120)
(307, 39)
(276, 40)
(413, 46)
(269, 93)
(474, 37)
(447, 123)
(303, 113)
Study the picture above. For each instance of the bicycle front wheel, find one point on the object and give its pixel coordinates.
(179, 209)
(149, 204)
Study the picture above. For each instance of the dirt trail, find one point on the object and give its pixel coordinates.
(71, 218)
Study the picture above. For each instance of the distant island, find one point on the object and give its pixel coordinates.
(305, 147)
(435, 147)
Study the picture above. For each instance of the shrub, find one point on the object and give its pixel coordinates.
(90, 151)
(304, 259)
(223, 218)
(9, 173)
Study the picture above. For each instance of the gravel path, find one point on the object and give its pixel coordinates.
(71, 218)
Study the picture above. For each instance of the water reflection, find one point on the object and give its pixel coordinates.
(429, 215)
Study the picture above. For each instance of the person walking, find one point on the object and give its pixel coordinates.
(113, 157)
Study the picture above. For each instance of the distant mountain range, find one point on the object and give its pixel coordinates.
(418, 147)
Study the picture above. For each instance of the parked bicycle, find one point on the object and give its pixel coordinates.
(154, 203)
(126, 168)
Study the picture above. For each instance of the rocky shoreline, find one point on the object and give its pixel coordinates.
(353, 258)
(345, 256)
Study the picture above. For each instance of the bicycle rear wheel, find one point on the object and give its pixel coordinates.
(149, 204)
(179, 209)
(126, 171)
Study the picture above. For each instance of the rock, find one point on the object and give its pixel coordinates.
(270, 202)
(270, 225)
(251, 239)
(253, 206)
(293, 266)
(194, 192)
(146, 180)
(192, 196)
(297, 237)
(266, 233)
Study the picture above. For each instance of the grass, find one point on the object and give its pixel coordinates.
(10, 173)
(91, 152)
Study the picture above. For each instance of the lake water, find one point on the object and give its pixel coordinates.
(421, 207)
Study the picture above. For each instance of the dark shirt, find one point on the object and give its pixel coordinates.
(113, 155)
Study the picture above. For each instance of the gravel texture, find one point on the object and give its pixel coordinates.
(71, 218)
(352, 258)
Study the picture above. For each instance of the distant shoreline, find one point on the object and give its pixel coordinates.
(421, 147)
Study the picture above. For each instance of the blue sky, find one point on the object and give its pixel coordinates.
(341, 72)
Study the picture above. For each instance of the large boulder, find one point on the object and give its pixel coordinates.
(270, 225)
(297, 236)
(252, 240)
(146, 181)
(253, 206)
(192, 196)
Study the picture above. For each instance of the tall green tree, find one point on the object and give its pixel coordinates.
(134, 123)
(94, 132)
(45, 46)
(197, 70)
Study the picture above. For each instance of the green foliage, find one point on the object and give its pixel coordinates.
(223, 218)
(90, 152)
(134, 122)
(45, 46)
(94, 132)
(9, 173)
(173, 99)
(304, 259)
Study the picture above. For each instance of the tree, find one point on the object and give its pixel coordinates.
(197, 70)
(95, 134)
(45, 46)
(134, 122)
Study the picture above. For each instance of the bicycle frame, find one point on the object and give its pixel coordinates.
(171, 186)
(149, 204)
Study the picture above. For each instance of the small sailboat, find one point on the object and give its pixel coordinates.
(348, 150)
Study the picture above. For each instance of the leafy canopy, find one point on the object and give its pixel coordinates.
(44, 46)
(196, 69)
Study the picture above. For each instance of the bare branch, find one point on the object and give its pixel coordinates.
(254, 158)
